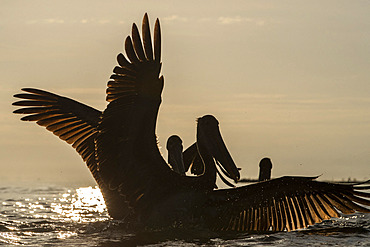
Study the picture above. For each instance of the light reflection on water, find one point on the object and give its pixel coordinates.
(32, 215)
(80, 206)
(59, 216)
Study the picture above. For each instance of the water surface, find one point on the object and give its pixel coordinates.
(76, 216)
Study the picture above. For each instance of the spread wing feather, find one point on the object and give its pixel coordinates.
(128, 157)
(68, 119)
(73, 122)
(286, 203)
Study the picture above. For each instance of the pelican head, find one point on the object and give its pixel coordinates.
(175, 158)
(265, 169)
(209, 136)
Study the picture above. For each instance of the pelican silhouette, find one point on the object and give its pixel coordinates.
(175, 156)
(191, 158)
(265, 169)
(120, 148)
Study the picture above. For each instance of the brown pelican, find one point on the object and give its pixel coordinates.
(121, 150)
(265, 169)
(175, 156)
(191, 159)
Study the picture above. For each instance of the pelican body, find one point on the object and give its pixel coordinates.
(265, 169)
(198, 162)
(175, 156)
(120, 148)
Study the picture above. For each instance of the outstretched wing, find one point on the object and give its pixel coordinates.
(73, 122)
(138, 76)
(286, 203)
(128, 157)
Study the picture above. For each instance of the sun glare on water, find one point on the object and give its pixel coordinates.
(30, 214)
(82, 206)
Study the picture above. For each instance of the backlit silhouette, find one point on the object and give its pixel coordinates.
(120, 149)
(265, 169)
(192, 158)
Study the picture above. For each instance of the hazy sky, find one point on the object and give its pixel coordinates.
(289, 80)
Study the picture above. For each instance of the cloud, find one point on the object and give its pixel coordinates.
(57, 21)
(238, 19)
(175, 18)
(46, 21)
(104, 21)
(172, 18)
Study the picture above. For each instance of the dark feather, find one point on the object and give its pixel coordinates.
(157, 41)
(121, 59)
(147, 38)
(137, 43)
(130, 51)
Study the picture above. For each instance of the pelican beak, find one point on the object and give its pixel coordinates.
(218, 150)
(176, 159)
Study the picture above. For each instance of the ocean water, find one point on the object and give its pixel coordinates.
(76, 216)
